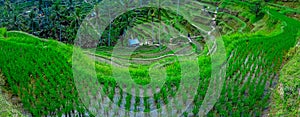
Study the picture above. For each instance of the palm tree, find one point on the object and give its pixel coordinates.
(109, 31)
(56, 17)
(17, 22)
(8, 7)
(159, 18)
(152, 20)
(73, 20)
(41, 4)
(32, 21)
(123, 25)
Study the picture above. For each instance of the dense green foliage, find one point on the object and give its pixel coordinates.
(285, 99)
(253, 68)
(257, 40)
(3, 32)
(144, 15)
(61, 19)
(39, 72)
(57, 19)
(257, 61)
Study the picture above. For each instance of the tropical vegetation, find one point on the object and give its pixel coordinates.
(38, 40)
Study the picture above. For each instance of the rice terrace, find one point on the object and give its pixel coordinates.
(152, 58)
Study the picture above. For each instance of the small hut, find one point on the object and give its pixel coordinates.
(133, 42)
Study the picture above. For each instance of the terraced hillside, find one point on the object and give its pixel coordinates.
(254, 65)
(9, 110)
(39, 73)
(261, 66)
(285, 99)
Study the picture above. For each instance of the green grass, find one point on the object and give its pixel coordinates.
(108, 51)
(242, 24)
(7, 109)
(243, 94)
(247, 96)
(3, 32)
(285, 98)
(38, 71)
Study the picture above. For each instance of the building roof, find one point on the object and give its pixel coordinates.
(133, 41)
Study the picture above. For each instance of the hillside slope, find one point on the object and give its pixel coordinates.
(39, 72)
(10, 110)
(286, 96)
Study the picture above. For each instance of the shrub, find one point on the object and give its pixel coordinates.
(3, 32)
